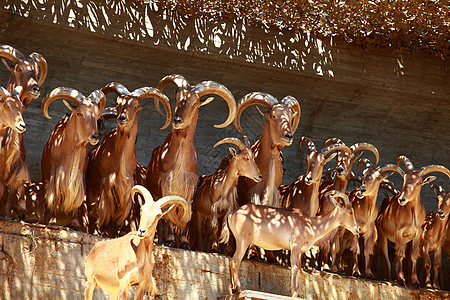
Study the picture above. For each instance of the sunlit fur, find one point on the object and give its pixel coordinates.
(216, 195)
(13, 171)
(434, 232)
(278, 228)
(267, 150)
(117, 265)
(65, 158)
(401, 218)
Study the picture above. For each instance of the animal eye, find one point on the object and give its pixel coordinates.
(7, 106)
(19, 69)
(79, 114)
(273, 117)
(246, 157)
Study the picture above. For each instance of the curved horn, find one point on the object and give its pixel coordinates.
(366, 146)
(10, 53)
(61, 93)
(391, 167)
(4, 93)
(143, 191)
(157, 95)
(176, 79)
(332, 141)
(291, 102)
(434, 168)
(233, 141)
(389, 186)
(406, 161)
(173, 200)
(335, 147)
(336, 194)
(212, 87)
(42, 63)
(109, 113)
(97, 97)
(363, 161)
(252, 98)
(115, 87)
(308, 142)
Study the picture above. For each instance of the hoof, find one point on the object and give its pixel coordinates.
(170, 244)
(185, 247)
(401, 282)
(235, 290)
(356, 274)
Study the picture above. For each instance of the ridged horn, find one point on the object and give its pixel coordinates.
(109, 113)
(176, 79)
(158, 96)
(264, 99)
(406, 161)
(10, 53)
(391, 167)
(335, 147)
(336, 194)
(143, 191)
(212, 87)
(434, 168)
(363, 161)
(115, 87)
(4, 93)
(308, 142)
(61, 93)
(332, 141)
(389, 186)
(291, 102)
(97, 97)
(366, 146)
(233, 141)
(173, 200)
(42, 63)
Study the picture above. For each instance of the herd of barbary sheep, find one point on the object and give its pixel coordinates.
(102, 189)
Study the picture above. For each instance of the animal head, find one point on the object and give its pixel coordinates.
(85, 110)
(315, 160)
(345, 160)
(11, 109)
(152, 211)
(282, 117)
(413, 179)
(189, 99)
(443, 199)
(345, 209)
(27, 71)
(373, 177)
(244, 158)
(128, 104)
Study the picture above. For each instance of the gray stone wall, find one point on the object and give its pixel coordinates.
(398, 101)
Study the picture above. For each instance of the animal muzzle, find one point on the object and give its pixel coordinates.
(177, 122)
(122, 120)
(402, 201)
(357, 229)
(340, 171)
(441, 214)
(258, 177)
(287, 138)
(94, 139)
(142, 232)
(21, 126)
(34, 91)
(361, 192)
(309, 180)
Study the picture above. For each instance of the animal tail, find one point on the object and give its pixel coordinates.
(225, 234)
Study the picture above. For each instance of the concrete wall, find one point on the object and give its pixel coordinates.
(42, 263)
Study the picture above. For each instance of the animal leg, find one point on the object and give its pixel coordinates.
(295, 269)
(414, 255)
(437, 267)
(369, 242)
(335, 248)
(400, 249)
(427, 263)
(383, 245)
(89, 289)
(242, 243)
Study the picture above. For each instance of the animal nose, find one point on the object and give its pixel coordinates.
(21, 126)
(36, 89)
(288, 136)
(142, 232)
(259, 176)
(177, 120)
(401, 201)
(441, 214)
(340, 169)
(309, 178)
(121, 118)
(363, 190)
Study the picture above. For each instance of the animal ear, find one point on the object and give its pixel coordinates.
(69, 105)
(428, 179)
(437, 189)
(207, 100)
(142, 106)
(355, 158)
(232, 151)
(264, 114)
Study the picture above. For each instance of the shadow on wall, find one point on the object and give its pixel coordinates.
(147, 22)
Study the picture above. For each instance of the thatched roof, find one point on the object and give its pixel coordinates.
(413, 24)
